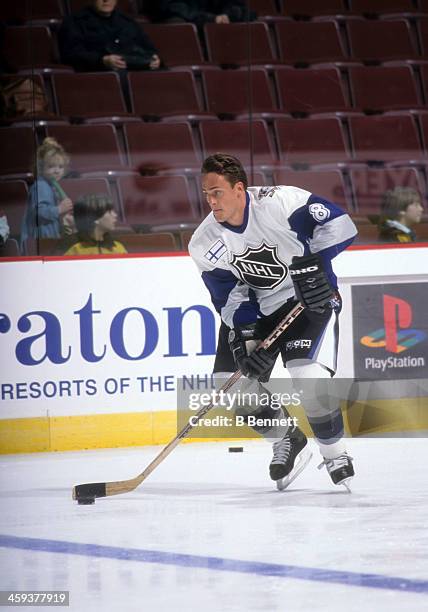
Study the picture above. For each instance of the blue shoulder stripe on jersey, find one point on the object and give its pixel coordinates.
(219, 283)
(239, 229)
(247, 312)
(328, 254)
(303, 222)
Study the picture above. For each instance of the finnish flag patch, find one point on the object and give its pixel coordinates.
(216, 251)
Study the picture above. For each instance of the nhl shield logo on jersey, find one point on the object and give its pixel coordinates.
(260, 267)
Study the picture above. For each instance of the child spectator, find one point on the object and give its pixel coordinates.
(95, 218)
(401, 210)
(49, 212)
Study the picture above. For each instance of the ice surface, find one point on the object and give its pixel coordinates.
(208, 531)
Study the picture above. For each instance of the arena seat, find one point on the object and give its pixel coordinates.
(369, 185)
(423, 120)
(423, 35)
(166, 94)
(312, 8)
(178, 43)
(231, 92)
(13, 202)
(380, 7)
(311, 141)
(90, 96)
(235, 138)
(17, 152)
(380, 41)
(92, 148)
(26, 47)
(264, 8)
(309, 42)
(20, 11)
(75, 188)
(141, 243)
(156, 147)
(424, 77)
(10, 248)
(328, 184)
(314, 90)
(383, 88)
(229, 44)
(385, 138)
(162, 202)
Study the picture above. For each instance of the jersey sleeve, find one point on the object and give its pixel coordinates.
(322, 227)
(234, 301)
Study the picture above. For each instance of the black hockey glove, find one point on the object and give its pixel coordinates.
(311, 284)
(252, 363)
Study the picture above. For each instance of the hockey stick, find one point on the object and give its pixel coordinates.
(86, 493)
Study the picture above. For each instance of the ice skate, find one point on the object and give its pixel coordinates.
(340, 469)
(290, 457)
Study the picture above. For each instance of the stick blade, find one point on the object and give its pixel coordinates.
(94, 489)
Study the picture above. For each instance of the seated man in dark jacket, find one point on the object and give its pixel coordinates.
(200, 12)
(101, 38)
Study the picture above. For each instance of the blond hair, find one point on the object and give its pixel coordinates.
(49, 148)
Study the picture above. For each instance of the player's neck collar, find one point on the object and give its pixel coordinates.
(239, 229)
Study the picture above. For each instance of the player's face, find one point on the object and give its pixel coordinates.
(413, 213)
(105, 7)
(54, 167)
(226, 202)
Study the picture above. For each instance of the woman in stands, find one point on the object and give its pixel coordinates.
(95, 219)
(49, 212)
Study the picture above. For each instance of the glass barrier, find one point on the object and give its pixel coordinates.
(102, 142)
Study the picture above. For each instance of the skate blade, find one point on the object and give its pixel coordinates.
(345, 484)
(302, 461)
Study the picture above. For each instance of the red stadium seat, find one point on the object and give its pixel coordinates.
(263, 7)
(25, 46)
(423, 119)
(311, 141)
(369, 185)
(178, 43)
(90, 96)
(166, 94)
(385, 138)
(302, 42)
(10, 248)
(156, 147)
(239, 44)
(141, 243)
(157, 201)
(13, 202)
(380, 41)
(238, 138)
(424, 76)
(75, 188)
(423, 35)
(312, 8)
(232, 92)
(310, 91)
(328, 184)
(383, 88)
(92, 148)
(381, 7)
(21, 11)
(17, 152)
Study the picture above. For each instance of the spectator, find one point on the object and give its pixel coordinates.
(4, 228)
(95, 218)
(206, 11)
(401, 210)
(100, 37)
(49, 212)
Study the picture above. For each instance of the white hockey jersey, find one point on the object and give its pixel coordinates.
(245, 268)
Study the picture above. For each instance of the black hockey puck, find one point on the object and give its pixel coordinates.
(236, 449)
(86, 501)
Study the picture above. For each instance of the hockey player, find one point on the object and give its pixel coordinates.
(259, 251)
